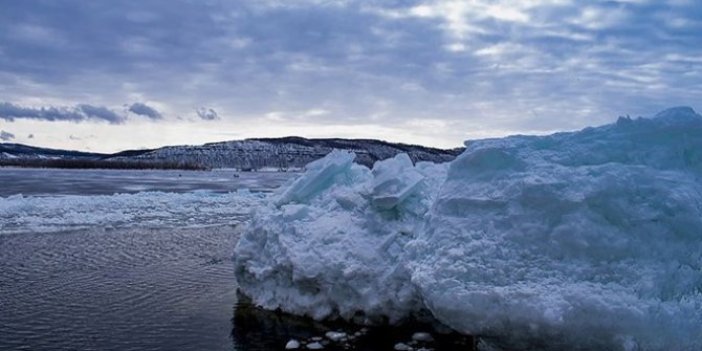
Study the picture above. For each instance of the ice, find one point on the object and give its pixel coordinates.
(315, 346)
(581, 240)
(324, 256)
(335, 336)
(393, 181)
(319, 175)
(292, 345)
(20, 214)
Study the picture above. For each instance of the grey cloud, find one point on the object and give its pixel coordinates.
(6, 136)
(30, 136)
(207, 114)
(358, 58)
(78, 113)
(142, 109)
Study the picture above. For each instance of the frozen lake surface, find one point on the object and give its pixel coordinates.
(43, 182)
(47, 200)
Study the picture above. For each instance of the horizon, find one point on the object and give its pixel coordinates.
(108, 77)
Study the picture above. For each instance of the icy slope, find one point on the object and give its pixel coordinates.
(585, 240)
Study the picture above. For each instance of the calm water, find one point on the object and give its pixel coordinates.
(117, 290)
(113, 285)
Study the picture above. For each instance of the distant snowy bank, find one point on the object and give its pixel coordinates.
(584, 240)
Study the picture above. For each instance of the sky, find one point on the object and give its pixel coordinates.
(112, 75)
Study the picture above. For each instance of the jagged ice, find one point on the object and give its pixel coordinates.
(589, 239)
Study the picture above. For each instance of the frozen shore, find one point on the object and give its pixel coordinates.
(586, 240)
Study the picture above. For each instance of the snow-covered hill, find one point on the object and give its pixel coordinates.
(250, 154)
(284, 153)
(19, 151)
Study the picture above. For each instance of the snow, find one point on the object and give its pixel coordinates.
(146, 209)
(581, 240)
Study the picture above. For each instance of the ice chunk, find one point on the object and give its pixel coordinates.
(582, 240)
(319, 175)
(393, 181)
(335, 336)
(315, 346)
(322, 257)
(292, 345)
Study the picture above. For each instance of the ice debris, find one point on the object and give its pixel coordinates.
(335, 336)
(582, 240)
(292, 345)
(315, 346)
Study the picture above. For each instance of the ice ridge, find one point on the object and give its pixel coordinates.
(585, 240)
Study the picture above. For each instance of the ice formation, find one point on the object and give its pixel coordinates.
(585, 240)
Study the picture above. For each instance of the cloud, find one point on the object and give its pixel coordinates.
(207, 114)
(482, 65)
(6, 136)
(142, 109)
(78, 113)
(30, 136)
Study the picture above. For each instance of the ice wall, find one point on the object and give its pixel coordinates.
(585, 240)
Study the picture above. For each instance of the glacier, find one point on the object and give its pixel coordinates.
(581, 240)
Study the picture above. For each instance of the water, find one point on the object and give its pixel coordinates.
(85, 267)
(118, 290)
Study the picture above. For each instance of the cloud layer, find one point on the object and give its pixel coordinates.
(144, 110)
(465, 68)
(207, 114)
(6, 136)
(78, 113)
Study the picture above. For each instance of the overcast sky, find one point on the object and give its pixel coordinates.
(112, 75)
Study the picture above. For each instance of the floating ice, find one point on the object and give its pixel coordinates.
(584, 240)
(149, 209)
(292, 345)
(335, 336)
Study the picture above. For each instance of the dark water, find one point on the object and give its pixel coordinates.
(118, 290)
(36, 181)
(146, 289)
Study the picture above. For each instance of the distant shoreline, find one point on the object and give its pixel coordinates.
(100, 164)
